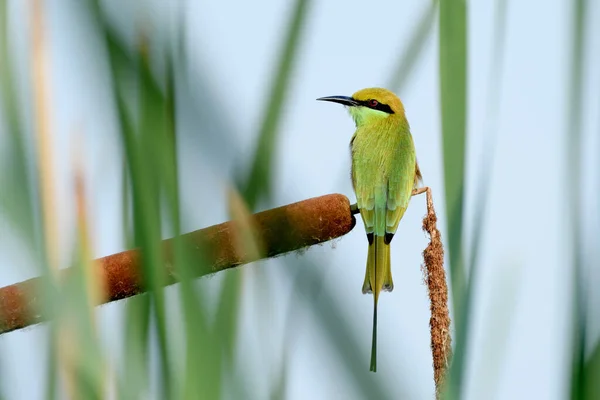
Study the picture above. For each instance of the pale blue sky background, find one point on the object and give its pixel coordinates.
(524, 280)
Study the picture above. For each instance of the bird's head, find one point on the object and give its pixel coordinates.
(371, 105)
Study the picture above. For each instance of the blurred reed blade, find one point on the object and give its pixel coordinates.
(591, 372)
(453, 91)
(126, 206)
(145, 157)
(207, 111)
(17, 203)
(202, 375)
(258, 183)
(51, 370)
(490, 134)
(279, 384)
(203, 371)
(571, 180)
(226, 322)
(170, 169)
(482, 192)
(135, 370)
(45, 241)
(416, 45)
(78, 340)
(155, 151)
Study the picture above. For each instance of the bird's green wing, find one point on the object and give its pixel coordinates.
(365, 199)
(401, 182)
(371, 196)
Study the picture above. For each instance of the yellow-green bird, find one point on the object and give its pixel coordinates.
(384, 174)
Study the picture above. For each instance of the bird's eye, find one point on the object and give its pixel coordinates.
(373, 103)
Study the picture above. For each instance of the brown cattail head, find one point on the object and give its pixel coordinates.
(276, 231)
(435, 278)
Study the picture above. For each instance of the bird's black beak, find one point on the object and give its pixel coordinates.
(345, 100)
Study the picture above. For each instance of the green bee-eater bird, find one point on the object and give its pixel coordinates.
(384, 174)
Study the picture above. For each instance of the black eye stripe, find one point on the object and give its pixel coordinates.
(380, 106)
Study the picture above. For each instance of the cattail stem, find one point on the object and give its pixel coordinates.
(279, 230)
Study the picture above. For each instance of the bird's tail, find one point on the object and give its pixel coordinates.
(378, 277)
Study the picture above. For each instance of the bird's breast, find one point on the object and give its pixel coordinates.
(374, 149)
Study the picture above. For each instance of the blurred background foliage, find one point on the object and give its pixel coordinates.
(159, 105)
